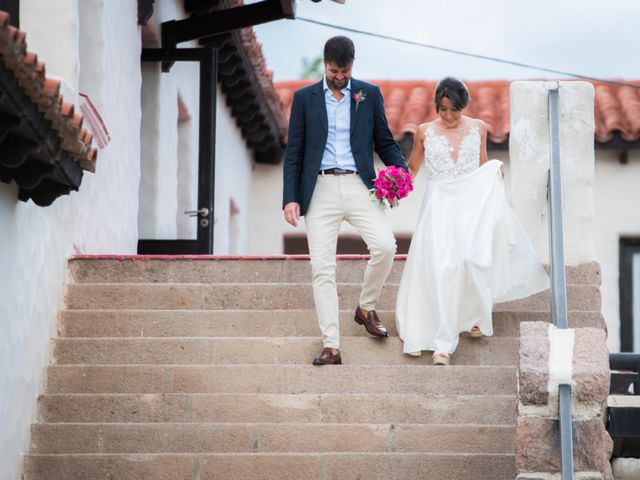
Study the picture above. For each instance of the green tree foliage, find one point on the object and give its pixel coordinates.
(312, 67)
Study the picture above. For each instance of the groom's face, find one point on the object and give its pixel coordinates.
(337, 77)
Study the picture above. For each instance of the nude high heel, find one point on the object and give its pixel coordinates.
(440, 358)
(476, 333)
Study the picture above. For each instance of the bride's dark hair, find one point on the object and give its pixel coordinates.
(454, 90)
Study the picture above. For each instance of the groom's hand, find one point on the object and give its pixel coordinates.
(292, 213)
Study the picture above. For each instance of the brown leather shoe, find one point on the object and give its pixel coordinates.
(371, 322)
(327, 357)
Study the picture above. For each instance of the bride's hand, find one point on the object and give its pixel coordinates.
(502, 170)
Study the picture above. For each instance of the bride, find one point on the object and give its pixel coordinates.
(468, 249)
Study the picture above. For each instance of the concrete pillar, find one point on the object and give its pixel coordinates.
(529, 153)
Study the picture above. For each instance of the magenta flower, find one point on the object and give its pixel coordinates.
(359, 97)
(391, 184)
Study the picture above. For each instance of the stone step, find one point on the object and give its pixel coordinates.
(199, 368)
(256, 323)
(277, 269)
(269, 296)
(117, 467)
(288, 466)
(257, 408)
(50, 438)
(268, 351)
(283, 379)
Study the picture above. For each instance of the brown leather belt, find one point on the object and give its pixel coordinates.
(336, 171)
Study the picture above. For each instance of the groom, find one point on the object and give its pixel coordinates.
(335, 126)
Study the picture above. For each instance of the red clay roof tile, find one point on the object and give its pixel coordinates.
(410, 103)
(264, 76)
(44, 93)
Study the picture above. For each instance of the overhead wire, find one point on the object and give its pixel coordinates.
(468, 54)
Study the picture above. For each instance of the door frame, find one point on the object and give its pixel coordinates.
(207, 57)
(628, 247)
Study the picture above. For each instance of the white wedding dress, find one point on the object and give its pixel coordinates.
(468, 249)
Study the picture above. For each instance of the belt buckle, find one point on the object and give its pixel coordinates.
(336, 171)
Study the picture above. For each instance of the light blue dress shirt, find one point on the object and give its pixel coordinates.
(337, 151)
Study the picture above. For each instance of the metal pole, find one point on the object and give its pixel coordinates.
(558, 278)
(566, 431)
(556, 237)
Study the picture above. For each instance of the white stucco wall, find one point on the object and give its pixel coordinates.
(105, 218)
(617, 215)
(159, 157)
(234, 164)
(52, 32)
(187, 178)
(185, 149)
(35, 242)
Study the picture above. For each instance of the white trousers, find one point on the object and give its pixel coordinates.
(339, 198)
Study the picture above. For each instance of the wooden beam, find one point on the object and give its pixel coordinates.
(215, 23)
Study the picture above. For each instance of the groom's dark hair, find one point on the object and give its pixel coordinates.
(339, 50)
(454, 90)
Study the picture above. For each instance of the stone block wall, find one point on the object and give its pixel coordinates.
(550, 357)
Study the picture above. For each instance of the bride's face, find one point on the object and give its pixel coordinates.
(449, 115)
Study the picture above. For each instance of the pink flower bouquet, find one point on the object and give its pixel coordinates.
(391, 185)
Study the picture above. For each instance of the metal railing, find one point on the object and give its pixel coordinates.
(558, 277)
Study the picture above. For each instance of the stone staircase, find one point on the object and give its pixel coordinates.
(199, 369)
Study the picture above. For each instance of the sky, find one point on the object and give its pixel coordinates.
(599, 38)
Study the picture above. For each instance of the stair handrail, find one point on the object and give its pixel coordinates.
(558, 286)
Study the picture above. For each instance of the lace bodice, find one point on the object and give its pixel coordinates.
(439, 150)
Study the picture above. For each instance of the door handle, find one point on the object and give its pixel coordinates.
(203, 212)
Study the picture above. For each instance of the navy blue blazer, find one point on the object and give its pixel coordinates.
(308, 126)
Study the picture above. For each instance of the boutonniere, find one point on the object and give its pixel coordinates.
(359, 97)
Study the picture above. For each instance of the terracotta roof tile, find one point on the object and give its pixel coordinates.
(263, 75)
(44, 93)
(410, 103)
